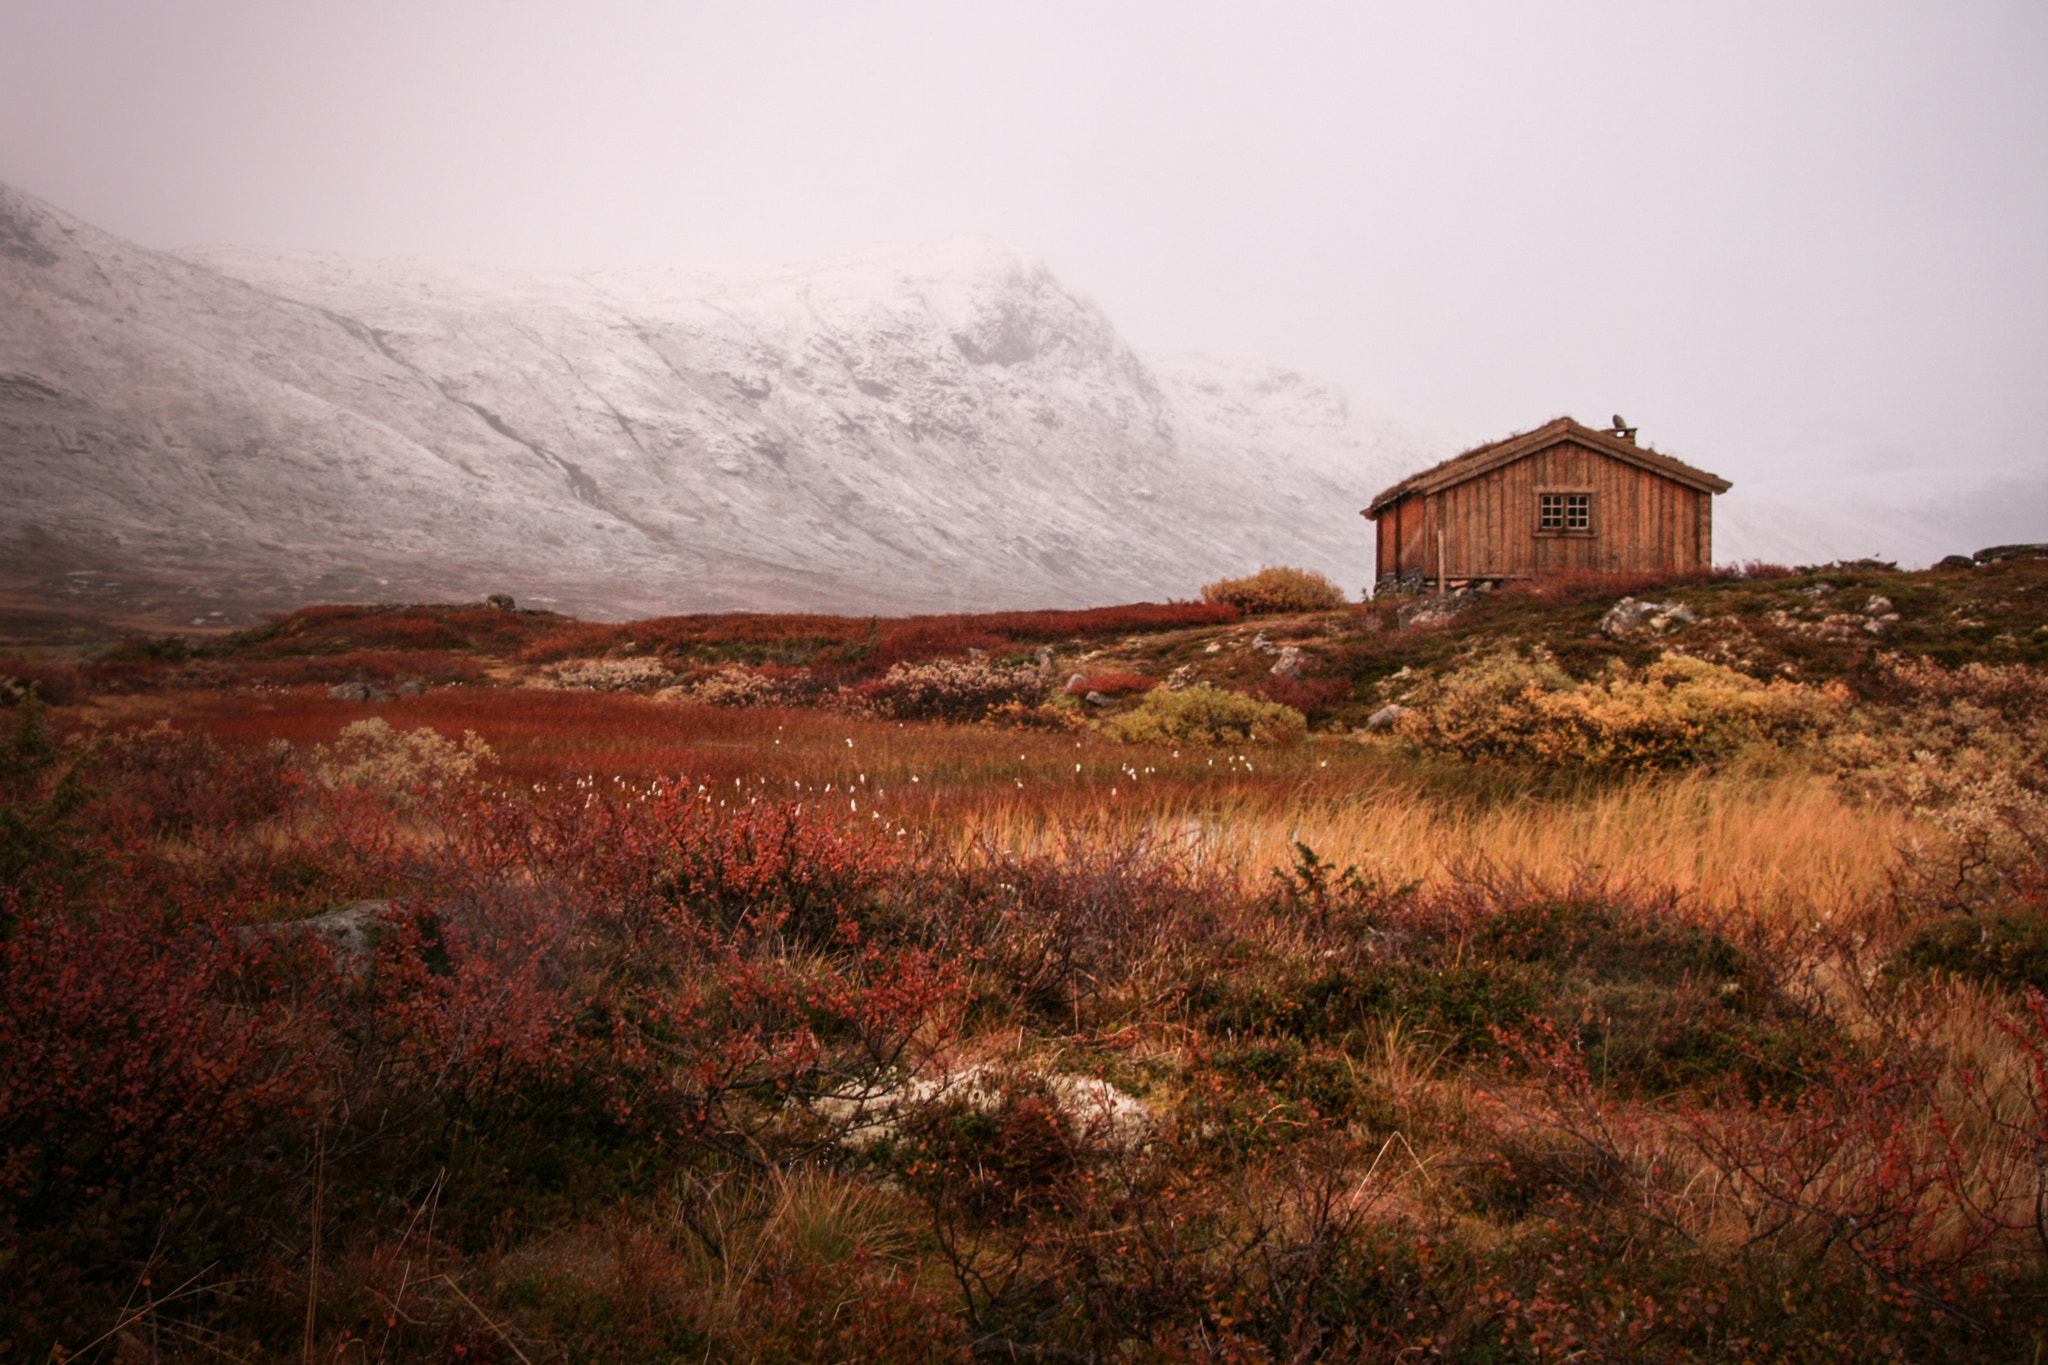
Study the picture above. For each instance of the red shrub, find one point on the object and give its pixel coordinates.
(122, 1066)
(1111, 684)
(56, 684)
(1310, 696)
(924, 638)
(362, 665)
(1583, 585)
(895, 639)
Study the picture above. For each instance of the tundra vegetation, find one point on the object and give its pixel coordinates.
(1066, 986)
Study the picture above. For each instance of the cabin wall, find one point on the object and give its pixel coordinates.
(1641, 521)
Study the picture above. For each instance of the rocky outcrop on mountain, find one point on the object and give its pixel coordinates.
(933, 428)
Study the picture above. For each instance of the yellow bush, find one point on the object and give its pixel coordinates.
(1205, 715)
(1277, 589)
(1672, 713)
(1967, 746)
(371, 755)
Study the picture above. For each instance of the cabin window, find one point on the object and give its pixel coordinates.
(1563, 513)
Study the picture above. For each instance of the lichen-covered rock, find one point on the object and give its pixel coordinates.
(1629, 617)
(1995, 553)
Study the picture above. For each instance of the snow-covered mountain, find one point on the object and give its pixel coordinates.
(937, 427)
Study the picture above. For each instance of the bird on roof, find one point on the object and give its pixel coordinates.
(1619, 424)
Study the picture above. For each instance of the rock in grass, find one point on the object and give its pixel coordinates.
(1998, 552)
(358, 691)
(1630, 617)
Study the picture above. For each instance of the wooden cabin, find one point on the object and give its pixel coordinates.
(1564, 496)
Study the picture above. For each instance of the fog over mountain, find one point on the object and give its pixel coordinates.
(937, 427)
(212, 433)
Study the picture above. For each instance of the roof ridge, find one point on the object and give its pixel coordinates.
(1481, 459)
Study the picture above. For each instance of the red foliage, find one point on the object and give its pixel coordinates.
(1576, 586)
(894, 640)
(122, 1067)
(920, 639)
(362, 665)
(1310, 696)
(56, 684)
(1111, 684)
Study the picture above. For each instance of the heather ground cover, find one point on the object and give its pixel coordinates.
(1609, 1016)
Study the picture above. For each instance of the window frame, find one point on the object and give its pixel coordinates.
(1592, 509)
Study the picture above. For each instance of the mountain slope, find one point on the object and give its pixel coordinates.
(937, 427)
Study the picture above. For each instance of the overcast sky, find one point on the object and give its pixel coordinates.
(1781, 237)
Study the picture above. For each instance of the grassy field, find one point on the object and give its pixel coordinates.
(1669, 997)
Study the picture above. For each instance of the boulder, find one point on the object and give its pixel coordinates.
(500, 601)
(358, 691)
(1956, 562)
(1998, 552)
(1429, 611)
(1385, 717)
(349, 934)
(1290, 663)
(1629, 617)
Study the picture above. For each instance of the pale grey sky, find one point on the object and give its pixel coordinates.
(1783, 237)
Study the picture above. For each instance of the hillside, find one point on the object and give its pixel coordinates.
(199, 438)
(472, 981)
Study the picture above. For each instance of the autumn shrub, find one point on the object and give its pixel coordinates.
(1967, 748)
(1674, 712)
(54, 684)
(1109, 684)
(43, 789)
(1073, 924)
(1968, 745)
(1313, 697)
(944, 689)
(1024, 715)
(385, 666)
(373, 756)
(163, 781)
(735, 685)
(1571, 587)
(129, 1088)
(1276, 589)
(607, 675)
(1205, 714)
(918, 640)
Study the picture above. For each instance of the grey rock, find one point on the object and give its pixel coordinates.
(1074, 682)
(500, 601)
(1998, 552)
(350, 934)
(1096, 699)
(1429, 611)
(1629, 617)
(1384, 718)
(1290, 663)
(1955, 562)
(358, 691)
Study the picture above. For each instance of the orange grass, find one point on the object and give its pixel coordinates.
(1780, 846)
